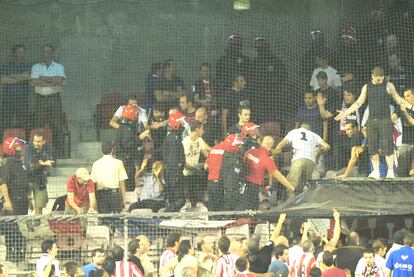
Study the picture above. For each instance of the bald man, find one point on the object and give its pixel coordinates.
(258, 162)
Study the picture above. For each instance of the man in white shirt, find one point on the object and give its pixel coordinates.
(47, 78)
(366, 262)
(334, 80)
(109, 176)
(306, 147)
(194, 178)
(48, 258)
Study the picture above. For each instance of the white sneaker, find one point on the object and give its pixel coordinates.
(390, 174)
(374, 175)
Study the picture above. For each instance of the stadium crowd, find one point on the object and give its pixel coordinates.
(311, 253)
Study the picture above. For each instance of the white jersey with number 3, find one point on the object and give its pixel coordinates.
(304, 144)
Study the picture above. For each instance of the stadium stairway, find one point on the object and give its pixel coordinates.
(83, 155)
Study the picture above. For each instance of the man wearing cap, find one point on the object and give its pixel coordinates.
(81, 193)
(334, 80)
(215, 187)
(304, 143)
(380, 127)
(109, 175)
(173, 156)
(258, 163)
(233, 62)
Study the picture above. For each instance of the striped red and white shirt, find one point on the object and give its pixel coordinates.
(127, 269)
(224, 266)
(166, 258)
(301, 267)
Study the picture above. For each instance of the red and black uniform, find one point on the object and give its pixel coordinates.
(257, 163)
(215, 185)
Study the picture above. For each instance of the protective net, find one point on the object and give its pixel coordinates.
(198, 107)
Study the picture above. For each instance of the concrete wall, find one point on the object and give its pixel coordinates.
(109, 45)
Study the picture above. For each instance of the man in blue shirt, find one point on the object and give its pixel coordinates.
(281, 253)
(400, 263)
(98, 258)
(15, 77)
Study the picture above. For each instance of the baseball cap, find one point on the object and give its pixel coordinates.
(260, 42)
(234, 139)
(250, 128)
(176, 120)
(82, 173)
(12, 144)
(315, 33)
(348, 35)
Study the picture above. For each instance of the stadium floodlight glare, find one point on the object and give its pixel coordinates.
(241, 5)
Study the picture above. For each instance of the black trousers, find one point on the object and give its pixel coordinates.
(249, 197)
(174, 192)
(215, 191)
(109, 201)
(48, 114)
(380, 135)
(194, 187)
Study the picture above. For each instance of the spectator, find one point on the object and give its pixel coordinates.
(380, 125)
(99, 273)
(213, 131)
(205, 256)
(98, 258)
(136, 249)
(47, 78)
(268, 77)
(187, 107)
(397, 242)
(144, 258)
(303, 264)
(109, 176)
(315, 272)
(260, 256)
(151, 186)
(194, 177)
(48, 259)
(215, 184)
(242, 268)
(330, 270)
(308, 61)
(185, 258)
(72, 269)
(173, 156)
(123, 267)
(347, 256)
(233, 62)
(151, 83)
(258, 163)
(401, 261)
(38, 158)
(15, 77)
(309, 113)
(305, 145)
(157, 123)
(81, 193)
(170, 87)
(225, 266)
(333, 79)
(406, 150)
(130, 122)
(204, 88)
(357, 146)
(232, 100)
(281, 254)
(368, 266)
(172, 243)
(244, 117)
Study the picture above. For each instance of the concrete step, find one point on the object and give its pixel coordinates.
(87, 150)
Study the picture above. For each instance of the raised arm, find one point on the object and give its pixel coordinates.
(397, 98)
(278, 227)
(321, 103)
(337, 228)
(361, 100)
